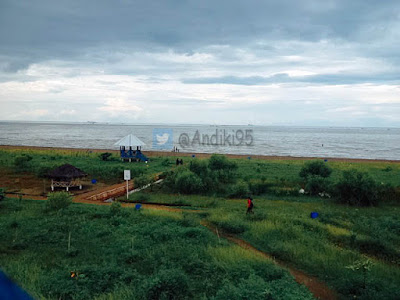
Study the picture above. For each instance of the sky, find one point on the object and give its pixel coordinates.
(309, 62)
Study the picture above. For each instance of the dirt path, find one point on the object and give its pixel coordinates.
(319, 289)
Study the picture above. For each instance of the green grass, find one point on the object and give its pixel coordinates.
(110, 171)
(325, 246)
(281, 225)
(288, 170)
(129, 255)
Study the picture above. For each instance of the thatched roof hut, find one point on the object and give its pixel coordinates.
(66, 172)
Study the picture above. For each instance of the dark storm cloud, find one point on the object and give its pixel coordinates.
(34, 30)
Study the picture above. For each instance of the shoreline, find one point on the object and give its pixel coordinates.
(152, 153)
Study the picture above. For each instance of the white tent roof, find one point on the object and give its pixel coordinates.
(129, 141)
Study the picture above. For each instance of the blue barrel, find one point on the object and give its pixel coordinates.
(138, 206)
(94, 181)
(314, 215)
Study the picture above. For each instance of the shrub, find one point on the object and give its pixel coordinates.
(115, 208)
(316, 184)
(141, 181)
(239, 190)
(188, 183)
(223, 170)
(315, 167)
(220, 162)
(43, 171)
(199, 167)
(169, 284)
(357, 188)
(105, 156)
(21, 163)
(388, 193)
(58, 200)
(202, 176)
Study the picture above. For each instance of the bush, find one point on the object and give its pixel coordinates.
(115, 208)
(315, 167)
(239, 190)
(141, 181)
(43, 171)
(188, 183)
(169, 284)
(357, 188)
(21, 163)
(223, 170)
(105, 156)
(199, 167)
(58, 200)
(316, 184)
(220, 162)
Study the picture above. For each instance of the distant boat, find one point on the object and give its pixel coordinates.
(91, 122)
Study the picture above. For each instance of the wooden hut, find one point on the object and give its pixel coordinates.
(66, 176)
(127, 149)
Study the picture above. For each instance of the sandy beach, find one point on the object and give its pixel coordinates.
(203, 155)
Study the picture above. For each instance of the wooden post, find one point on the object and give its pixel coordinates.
(69, 241)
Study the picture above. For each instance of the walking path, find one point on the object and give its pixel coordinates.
(319, 289)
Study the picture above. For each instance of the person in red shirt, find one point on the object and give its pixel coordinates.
(250, 205)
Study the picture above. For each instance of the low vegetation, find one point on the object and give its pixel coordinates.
(353, 244)
(90, 252)
(58, 201)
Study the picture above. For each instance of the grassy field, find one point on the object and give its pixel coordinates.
(271, 170)
(110, 171)
(355, 250)
(327, 247)
(124, 254)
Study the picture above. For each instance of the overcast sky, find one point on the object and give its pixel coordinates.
(307, 62)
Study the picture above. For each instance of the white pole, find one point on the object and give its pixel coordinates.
(127, 190)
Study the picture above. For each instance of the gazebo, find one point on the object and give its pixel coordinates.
(126, 147)
(66, 176)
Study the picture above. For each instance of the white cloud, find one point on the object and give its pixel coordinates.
(117, 107)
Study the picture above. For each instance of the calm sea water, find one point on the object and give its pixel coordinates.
(372, 143)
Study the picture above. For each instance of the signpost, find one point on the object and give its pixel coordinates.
(127, 177)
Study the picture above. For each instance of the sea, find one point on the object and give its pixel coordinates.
(296, 141)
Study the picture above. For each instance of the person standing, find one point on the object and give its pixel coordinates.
(250, 205)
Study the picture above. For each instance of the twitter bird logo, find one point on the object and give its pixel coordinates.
(163, 139)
